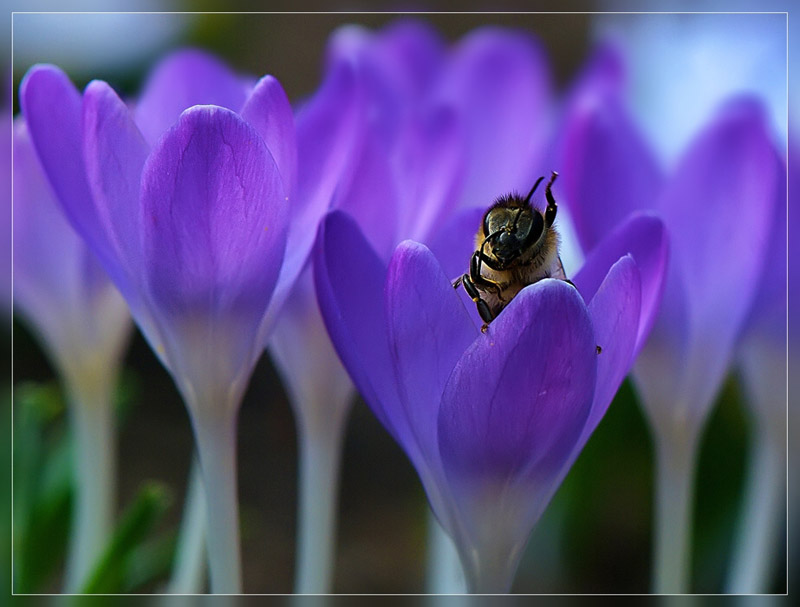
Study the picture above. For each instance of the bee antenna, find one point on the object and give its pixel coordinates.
(533, 189)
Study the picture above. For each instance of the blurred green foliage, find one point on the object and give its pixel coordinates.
(136, 555)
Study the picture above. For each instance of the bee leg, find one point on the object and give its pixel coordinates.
(483, 308)
(477, 278)
(552, 207)
(457, 282)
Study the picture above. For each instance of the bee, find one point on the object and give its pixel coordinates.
(516, 246)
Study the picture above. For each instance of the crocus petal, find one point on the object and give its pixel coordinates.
(213, 239)
(432, 164)
(498, 81)
(510, 416)
(644, 237)
(454, 243)
(59, 287)
(349, 279)
(614, 311)
(268, 111)
(187, 77)
(390, 66)
(419, 50)
(46, 248)
(52, 108)
(372, 198)
(328, 130)
(607, 169)
(505, 416)
(114, 154)
(422, 308)
(603, 76)
(718, 208)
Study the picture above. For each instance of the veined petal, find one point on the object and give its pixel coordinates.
(214, 235)
(499, 83)
(519, 397)
(349, 278)
(114, 154)
(53, 107)
(185, 78)
(644, 237)
(429, 330)
(608, 169)
(268, 111)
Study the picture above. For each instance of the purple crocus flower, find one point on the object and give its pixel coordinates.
(189, 212)
(717, 204)
(83, 325)
(492, 422)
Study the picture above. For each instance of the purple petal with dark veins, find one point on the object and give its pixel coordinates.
(214, 215)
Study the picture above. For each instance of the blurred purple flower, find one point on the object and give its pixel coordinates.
(718, 204)
(718, 208)
(193, 214)
(492, 422)
(59, 287)
(83, 325)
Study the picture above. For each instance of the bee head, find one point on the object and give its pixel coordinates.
(512, 227)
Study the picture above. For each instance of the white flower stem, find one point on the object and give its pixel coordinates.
(675, 472)
(320, 444)
(215, 433)
(189, 574)
(94, 447)
(759, 531)
(444, 572)
(493, 577)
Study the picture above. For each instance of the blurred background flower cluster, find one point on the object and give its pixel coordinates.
(596, 536)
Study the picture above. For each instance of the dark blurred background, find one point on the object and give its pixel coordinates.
(594, 537)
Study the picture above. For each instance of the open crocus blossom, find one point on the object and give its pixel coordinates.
(718, 205)
(188, 212)
(492, 422)
(83, 325)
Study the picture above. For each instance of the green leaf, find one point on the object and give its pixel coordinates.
(108, 576)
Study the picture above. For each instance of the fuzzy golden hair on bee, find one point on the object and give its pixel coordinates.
(516, 245)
